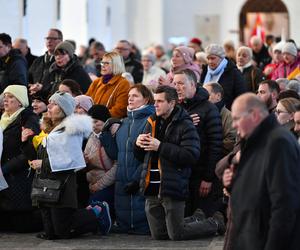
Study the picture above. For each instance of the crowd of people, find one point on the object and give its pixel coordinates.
(179, 145)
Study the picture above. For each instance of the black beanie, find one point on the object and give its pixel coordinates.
(99, 112)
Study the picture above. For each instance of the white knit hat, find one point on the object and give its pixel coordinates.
(20, 92)
(290, 48)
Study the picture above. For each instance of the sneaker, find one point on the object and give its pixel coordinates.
(219, 220)
(198, 215)
(104, 218)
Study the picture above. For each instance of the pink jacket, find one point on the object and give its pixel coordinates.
(283, 70)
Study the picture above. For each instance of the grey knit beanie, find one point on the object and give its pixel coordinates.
(65, 101)
(65, 46)
(215, 49)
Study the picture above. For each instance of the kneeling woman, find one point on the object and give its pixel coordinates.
(60, 154)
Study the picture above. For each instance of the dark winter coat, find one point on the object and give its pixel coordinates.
(262, 58)
(265, 195)
(232, 82)
(30, 58)
(130, 209)
(253, 76)
(14, 164)
(39, 69)
(13, 69)
(210, 133)
(73, 70)
(135, 68)
(178, 152)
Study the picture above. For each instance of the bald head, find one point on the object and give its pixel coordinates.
(256, 43)
(248, 111)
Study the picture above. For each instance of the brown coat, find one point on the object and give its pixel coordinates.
(113, 95)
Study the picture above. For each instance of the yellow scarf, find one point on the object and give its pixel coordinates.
(37, 140)
(6, 119)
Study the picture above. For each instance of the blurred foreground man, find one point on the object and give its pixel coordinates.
(265, 194)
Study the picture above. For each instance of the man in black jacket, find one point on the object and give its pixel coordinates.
(39, 69)
(13, 66)
(265, 192)
(204, 187)
(169, 148)
(133, 66)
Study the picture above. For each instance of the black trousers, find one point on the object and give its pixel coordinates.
(65, 223)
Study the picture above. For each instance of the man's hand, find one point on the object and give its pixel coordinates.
(205, 188)
(26, 132)
(147, 142)
(227, 177)
(195, 118)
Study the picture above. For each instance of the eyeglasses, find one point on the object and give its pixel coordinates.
(105, 63)
(278, 112)
(51, 38)
(122, 49)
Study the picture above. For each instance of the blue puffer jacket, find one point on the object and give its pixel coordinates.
(130, 209)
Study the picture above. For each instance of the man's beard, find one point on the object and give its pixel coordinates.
(269, 102)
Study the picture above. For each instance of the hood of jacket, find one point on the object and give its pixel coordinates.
(76, 124)
(146, 111)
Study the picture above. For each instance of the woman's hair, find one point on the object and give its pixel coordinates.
(289, 104)
(247, 50)
(73, 86)
(146, 93)
(117, 62)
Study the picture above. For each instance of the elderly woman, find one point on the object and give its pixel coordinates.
(16, 211)
(129, 203)
(151, 72)
(182, 58)
(224, 72)
(111, 89)
(291, 62)
(66, 66)
(253, 75)
(57, 158)
(285, 112)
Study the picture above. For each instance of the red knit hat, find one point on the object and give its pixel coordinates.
(196, 40)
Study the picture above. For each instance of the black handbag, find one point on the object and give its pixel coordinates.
(46, 190)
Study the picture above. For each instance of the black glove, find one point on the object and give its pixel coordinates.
(132, 187)
(110, 122)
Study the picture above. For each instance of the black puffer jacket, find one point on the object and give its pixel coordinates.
(210, 133)
(232, 82)
(13, 69)
(177, 153)
(14, 164)
(73, 70)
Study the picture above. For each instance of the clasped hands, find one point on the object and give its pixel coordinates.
(147, 142)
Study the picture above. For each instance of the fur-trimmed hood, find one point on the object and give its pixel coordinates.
(76, 124)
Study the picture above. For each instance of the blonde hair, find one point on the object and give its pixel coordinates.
(117, 62)
(290, 104)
